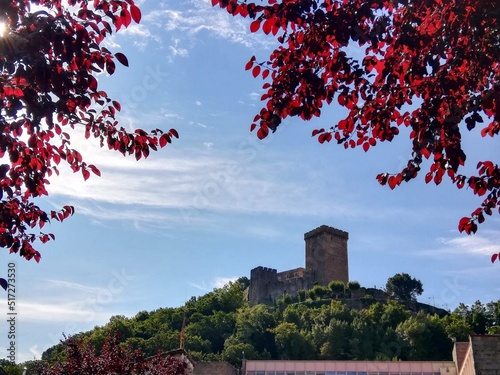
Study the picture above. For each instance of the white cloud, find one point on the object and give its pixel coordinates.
(202, 17)
(481, 244)
(176, 50)
(217, 282)
(173, 116)
(254, 96)
(198, 124)
(60, 312)
(475, 244)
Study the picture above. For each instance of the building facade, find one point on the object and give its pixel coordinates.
(326, 259)
(349, 368)
(479, 356)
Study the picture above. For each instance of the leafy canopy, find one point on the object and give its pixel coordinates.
(49, 55)
(431, 66)
(403, 287)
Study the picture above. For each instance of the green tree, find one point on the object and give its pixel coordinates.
(403, 287)
(10, 368)
(353, 285)
(337, 288)
(478, 316)
(234, 353)
(457, 327)
(301, 293)
(424, 338)
(336, 338)
(254, 326)
(291, 343)
(319, 291)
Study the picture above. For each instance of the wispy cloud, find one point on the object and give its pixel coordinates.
(61, 312)
(200, 18)
(217, 282)
(482, 243)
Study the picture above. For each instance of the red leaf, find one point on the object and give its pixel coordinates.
(135, 12)
(256, 71)
(317, 131)
(263, 132)
(92, 83)
(86, 174)
(117, 105)
(325, 137)
(267, 27)
(392, 182)
(342, 99)
(164, 139)
(494, 257)
(125, 16)
(463, 224)
(121, 58)
(252, 127)
(174, 133)
(265, 73)
(249, 65)
(254, 26)
(366, 146)
(110, 67)
(95, 170)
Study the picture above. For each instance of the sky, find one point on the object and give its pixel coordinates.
(218, 202)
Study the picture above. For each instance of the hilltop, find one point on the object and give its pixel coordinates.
(221, 324)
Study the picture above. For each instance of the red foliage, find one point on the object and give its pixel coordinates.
(81, 358)
(47, 61)
(440, 54)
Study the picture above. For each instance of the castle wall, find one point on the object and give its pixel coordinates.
(326, 255)
(291, 274)
(267, 285)
(263, 283)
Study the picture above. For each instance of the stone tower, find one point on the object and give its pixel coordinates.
(326, 255)
(263, 282)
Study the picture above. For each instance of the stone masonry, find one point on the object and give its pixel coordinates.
(480, 356)
(326, 260)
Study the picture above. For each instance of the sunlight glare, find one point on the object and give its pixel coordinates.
(3, 29)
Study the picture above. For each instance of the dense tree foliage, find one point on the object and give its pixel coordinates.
(431, 66)
(49, 55)
(403, 287)
(353, 328)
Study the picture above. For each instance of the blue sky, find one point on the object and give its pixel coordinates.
(218, 202)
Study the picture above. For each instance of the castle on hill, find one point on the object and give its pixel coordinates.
(326, 260)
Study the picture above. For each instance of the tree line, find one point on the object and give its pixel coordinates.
(221, 326)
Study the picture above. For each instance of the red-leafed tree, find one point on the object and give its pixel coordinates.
(81, 358)
(432, 66)
(50, 51)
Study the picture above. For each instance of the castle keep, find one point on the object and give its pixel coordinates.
(326, 260)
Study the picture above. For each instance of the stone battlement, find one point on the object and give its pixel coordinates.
(327, 229)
